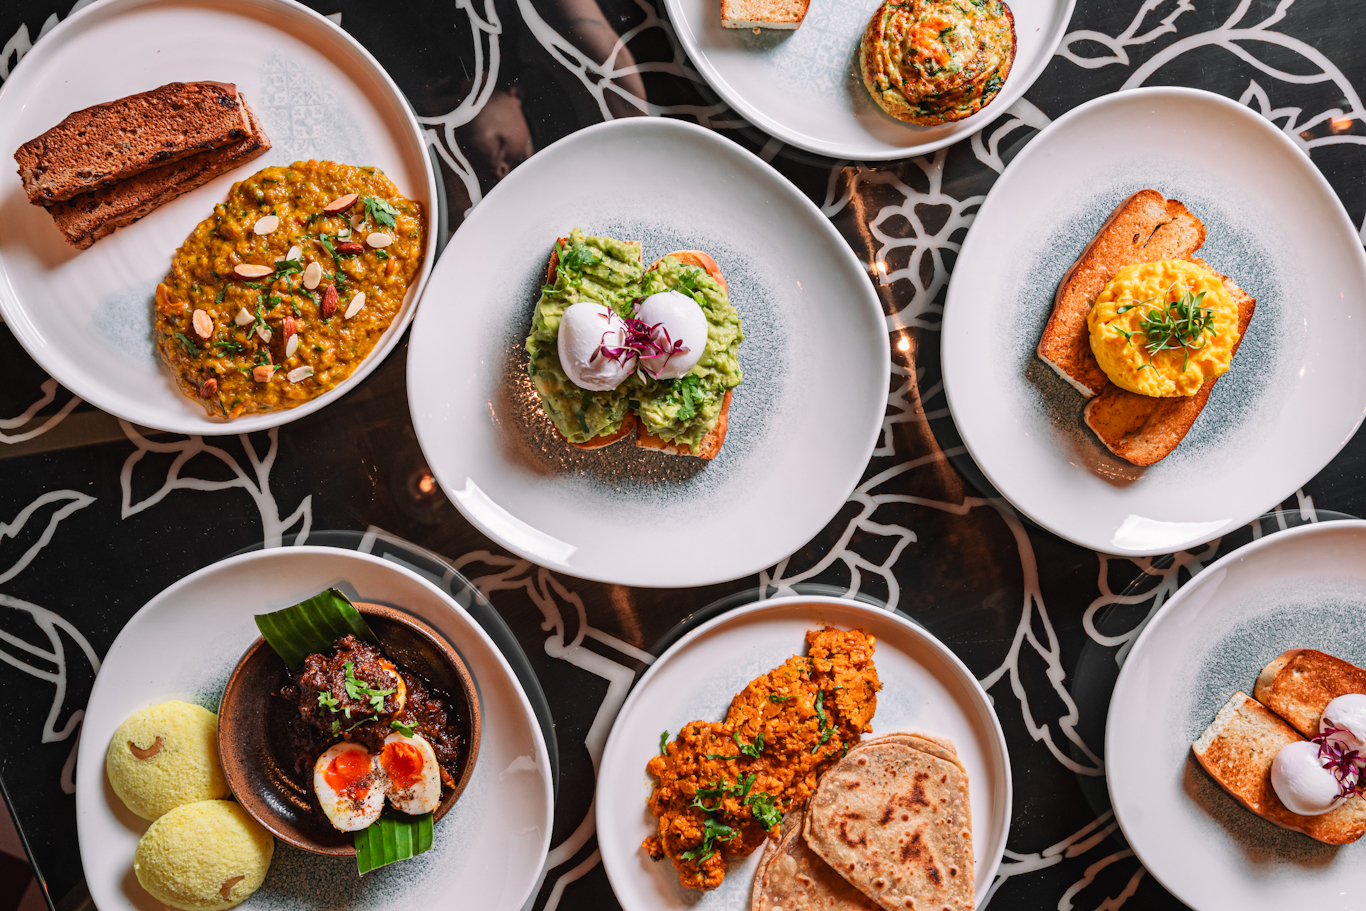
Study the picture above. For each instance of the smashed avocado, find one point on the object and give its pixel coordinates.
(597, 269)
(609, 272)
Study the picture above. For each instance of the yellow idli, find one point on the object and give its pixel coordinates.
(203, 856)
(165, 756)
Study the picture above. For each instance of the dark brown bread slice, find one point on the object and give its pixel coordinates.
(1143, 228)
(86, 218)
(108, 142)
(1300, 683)
(1238, 748)
(1144, 429)
(710, 445)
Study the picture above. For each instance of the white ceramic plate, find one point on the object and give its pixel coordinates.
(86, 315)
(184, 644)
(804, 86)
(1297, 388)
(802, 424)
(924, 688)
(1302, 588)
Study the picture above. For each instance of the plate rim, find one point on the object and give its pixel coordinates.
(867, 294)
(1337, 526)
(953, 304)
(191, 423)
(774, 128)
(1005, 785)
(89, 756)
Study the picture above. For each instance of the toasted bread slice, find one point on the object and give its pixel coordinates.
(86, 218)
(779, 14)
(710, 444)
(1144, 429)
(628, 425)
(1143, 228)
(1300, 683)
(94, 147)
(1237, 750)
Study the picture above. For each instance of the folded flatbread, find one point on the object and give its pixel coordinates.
(792, 878)
(893, 818)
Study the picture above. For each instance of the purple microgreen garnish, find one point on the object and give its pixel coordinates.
(642, 342)
(1346, 765)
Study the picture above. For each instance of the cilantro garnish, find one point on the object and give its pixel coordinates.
(776, 699)
(405, 729)
(764, 809)
(328, 701)
(688, 392)
(359, 690)
(221, 291)
(664, 743)
(752, 750)
(712, 832)
(719, 791)
(190, 346)
(379, 211)
(824, 721)
(578, 256)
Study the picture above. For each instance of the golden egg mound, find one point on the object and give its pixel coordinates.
(935, 61)
(1164, 328)
(165, 756)
(203, 856)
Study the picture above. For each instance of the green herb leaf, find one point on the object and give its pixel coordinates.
(379, 211)
(764, 810)
(664, 743)
(312, 626)
(712, 832)
(579, 255)
(328, 701)
(391, 838)
(752, 750)
(405, 729)
(776, 699)
(221, 292)
(190, 346)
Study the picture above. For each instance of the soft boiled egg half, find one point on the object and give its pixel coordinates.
(348, 786)
(411, 773)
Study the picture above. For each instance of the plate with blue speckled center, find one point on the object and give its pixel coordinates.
(1296, 389)
(1300, 588)
(183, 645)
(803, 422)
(925, 688)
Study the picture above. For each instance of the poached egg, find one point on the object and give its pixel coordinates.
(411, 773)
(1301, 781)
(348, 786)
(584, 328)
(681, 317)
(1348, 714)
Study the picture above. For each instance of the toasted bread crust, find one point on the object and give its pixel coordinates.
(1144, 228)
(99, 145)
(88, 217)
(1144, 429)
(778, 14)
(1300, 683)
(1237, 750)
(707, 448)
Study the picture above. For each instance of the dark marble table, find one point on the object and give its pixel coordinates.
(97, 516)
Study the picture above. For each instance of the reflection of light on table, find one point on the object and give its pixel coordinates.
(1340, 124)
(421, 485)
(904, 344)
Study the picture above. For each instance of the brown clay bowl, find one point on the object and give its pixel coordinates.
(253, 722)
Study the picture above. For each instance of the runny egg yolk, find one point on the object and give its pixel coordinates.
(402, 762)
(347, 774)
(1153, 333)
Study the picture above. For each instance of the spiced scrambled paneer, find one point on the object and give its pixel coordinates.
(724, 787)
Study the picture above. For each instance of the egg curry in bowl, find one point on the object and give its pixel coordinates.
(1164, 328)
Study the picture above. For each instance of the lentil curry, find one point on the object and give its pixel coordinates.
(281, 293)
(723, 787)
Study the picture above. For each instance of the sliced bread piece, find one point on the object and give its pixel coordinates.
(628, 424)
(1237, 750)
(86, 218)
(1301, 682)
(94, 147)
(1144, 429)
(710, 445)
(779, 14)
(1144, 228)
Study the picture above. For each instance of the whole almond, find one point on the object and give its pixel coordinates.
(312, 275)
(208, 388)
(350, 247)
(263, 373)
(340, 204)
(248, 270)
(203, 324)
(329, 301)
(290, 327)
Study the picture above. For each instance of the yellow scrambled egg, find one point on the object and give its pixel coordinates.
(1128, 320)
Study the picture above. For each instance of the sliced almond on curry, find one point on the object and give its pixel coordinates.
(250, 270)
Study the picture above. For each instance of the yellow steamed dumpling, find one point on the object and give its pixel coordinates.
(203, 856)
(165, 756)
(1154, 334)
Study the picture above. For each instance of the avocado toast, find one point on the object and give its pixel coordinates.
(685, 415)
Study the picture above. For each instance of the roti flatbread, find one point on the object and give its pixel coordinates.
(792, 878)
(893, 818)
